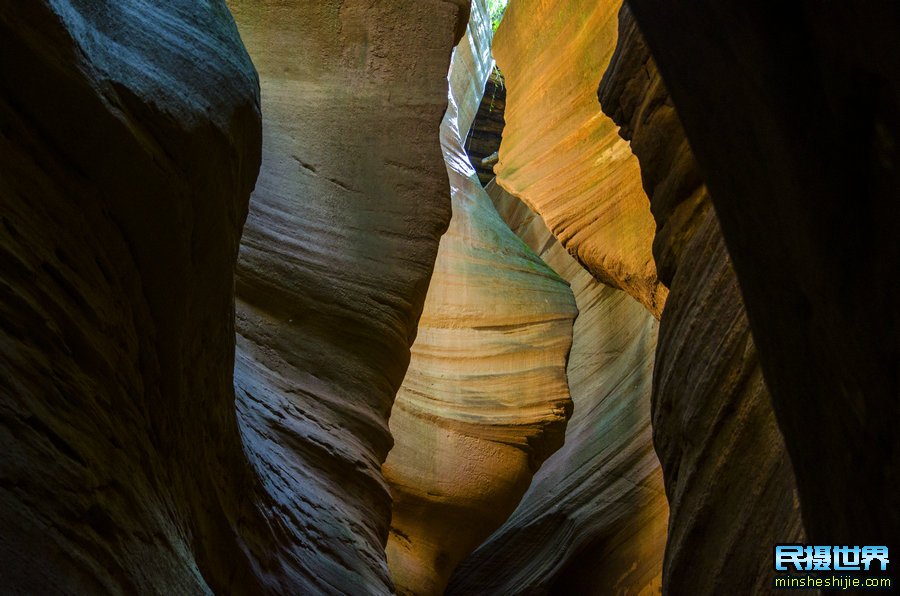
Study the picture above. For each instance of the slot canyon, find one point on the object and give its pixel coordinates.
(465, 297)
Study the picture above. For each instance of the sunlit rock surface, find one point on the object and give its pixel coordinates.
(707, 377)
(594, 519)
(560, 154)
(485, 400)
(130, 144)
(728, 478)
(595, 516)
(335, 261)
(793, 117)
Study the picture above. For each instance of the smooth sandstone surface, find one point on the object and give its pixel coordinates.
(485, 400)
(729, 481)
(594, 518)
(561, 154)
(130, 144)
(707, 378)
(335, 261)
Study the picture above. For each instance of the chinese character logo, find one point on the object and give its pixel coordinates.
(799, 557)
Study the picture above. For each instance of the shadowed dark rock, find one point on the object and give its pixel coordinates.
(130, 143)
(728, 479)
(483, 140)
(793, 112)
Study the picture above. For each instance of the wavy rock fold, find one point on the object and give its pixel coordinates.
(595, 514)
(561, 154)
(335, 261)
(485, 400)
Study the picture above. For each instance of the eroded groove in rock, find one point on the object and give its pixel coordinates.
(337, 253)
(485, 400)
(560, 154)
(594, 518)
(728, 478)
(793, 115)
(130, 142)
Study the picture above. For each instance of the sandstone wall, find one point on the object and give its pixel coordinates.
(726, 469)
(483, 141)
(485, 400)
(560, 154)
(130, 144)
(594, 518)
(730, 484)
(335, 260)
(792, 113)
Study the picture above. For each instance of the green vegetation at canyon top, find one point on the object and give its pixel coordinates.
(496, 9)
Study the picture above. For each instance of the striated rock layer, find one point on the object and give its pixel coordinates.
(130, 144)
(594, 518)
(792, 111)
(129, 466)
(560, 154)
(729, 482)
(726, 467)
(485, 400)
(335, 261)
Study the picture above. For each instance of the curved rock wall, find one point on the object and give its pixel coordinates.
(707, 377)
(594, 518)
(596, 512)
(130, 138)
(129, 465)
(130, 143)
(792, 113)
(560, 154)
(335, 261)
(485, 400)
(728, 478)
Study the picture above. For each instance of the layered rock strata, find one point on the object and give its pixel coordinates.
(594, 518)
(335, 261)
(560, 154)
(707, 378)
(485, 400)
(792, 112)
(729, 481)
(130, 144)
